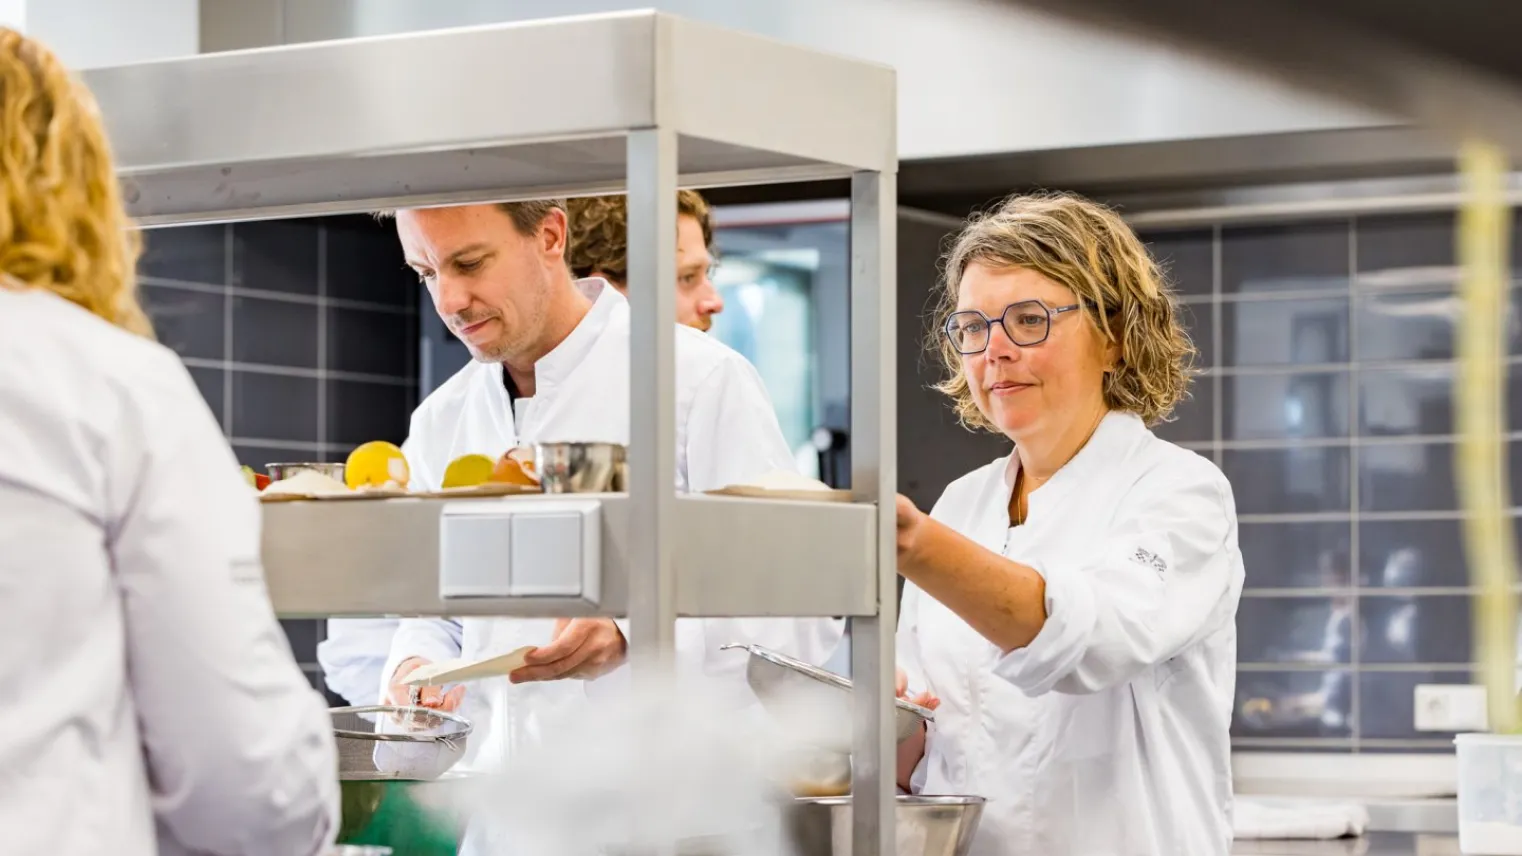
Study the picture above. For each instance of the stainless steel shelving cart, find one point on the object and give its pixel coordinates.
(642, 102)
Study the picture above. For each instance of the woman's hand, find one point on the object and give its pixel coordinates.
(925, 699)
(910, 523)
(912, 749)
(430, 697)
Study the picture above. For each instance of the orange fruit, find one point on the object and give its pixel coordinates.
(510, 469)
(376, 464)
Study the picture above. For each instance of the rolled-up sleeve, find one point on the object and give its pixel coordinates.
(1160, 581)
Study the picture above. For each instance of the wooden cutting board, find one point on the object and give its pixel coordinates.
(458, 671)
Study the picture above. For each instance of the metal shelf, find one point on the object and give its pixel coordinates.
(732, 557)
(470, 115)
(640, 102)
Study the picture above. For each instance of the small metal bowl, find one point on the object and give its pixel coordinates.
(816, 699)
(580, 467)
(279, 472)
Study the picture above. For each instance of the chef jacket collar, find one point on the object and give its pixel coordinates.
(554, 367)
(1116, 433)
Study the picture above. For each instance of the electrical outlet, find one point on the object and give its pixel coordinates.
(1451, 707)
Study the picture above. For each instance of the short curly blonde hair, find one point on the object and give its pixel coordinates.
(1089, 249)
(63, 227)
(600, 231)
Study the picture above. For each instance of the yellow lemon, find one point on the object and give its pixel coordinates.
(375, 464)
(468, 471)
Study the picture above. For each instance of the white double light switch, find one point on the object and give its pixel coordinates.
(521, 548)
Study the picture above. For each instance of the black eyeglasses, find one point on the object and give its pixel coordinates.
(1026, 323)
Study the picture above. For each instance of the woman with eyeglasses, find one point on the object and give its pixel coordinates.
(1070, 608)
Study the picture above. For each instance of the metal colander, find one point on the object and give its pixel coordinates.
(384, 742)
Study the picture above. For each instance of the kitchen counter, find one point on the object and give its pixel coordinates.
(1371, 844)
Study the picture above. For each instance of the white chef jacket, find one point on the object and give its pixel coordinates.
(1107, 735)
(152, 702)
(726, 431)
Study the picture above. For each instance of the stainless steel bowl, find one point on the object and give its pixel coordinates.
(385, 742)
(815, 700)
(926, 826)
(278, 472)
(580, 467)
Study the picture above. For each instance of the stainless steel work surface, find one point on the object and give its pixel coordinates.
(1372, 844)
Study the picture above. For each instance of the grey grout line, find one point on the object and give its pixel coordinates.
(1342, 442)
(289, 445)
(227, 328)
(1351, 289)
(1365, 668)
(1292, 742)
(1365, 516)
(1218, 346)
(296, 371)
(322, 332)
(1341, 743)
(1437, 742)
(1288, 295)
(1371, 592)
(1512, 360)
(281, 296)
(1355, 479)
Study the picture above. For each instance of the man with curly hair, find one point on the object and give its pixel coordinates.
(600, 248)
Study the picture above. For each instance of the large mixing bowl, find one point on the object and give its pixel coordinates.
(926, 826)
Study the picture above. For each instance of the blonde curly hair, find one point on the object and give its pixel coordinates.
(600, 231)
(63, 226)
(1090, 250)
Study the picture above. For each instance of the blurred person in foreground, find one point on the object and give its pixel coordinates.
(600, 248)
(1072, 606)
(157, 707)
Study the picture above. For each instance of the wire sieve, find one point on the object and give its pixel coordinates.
(401, 743)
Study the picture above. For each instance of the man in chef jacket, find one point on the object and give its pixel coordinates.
(354, 653)
(600, 248)
(551, 363)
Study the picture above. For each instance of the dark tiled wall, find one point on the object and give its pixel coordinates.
(302, 335)
(1327, 399)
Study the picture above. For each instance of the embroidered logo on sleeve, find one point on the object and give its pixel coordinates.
(1150, 559)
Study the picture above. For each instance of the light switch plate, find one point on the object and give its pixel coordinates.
(474, 546)
(1451, 707)
(517, 547)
